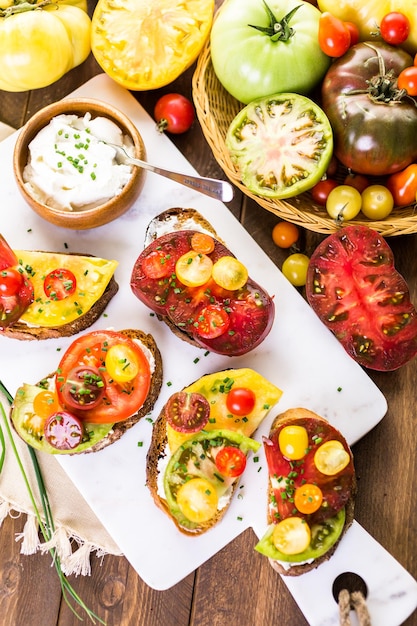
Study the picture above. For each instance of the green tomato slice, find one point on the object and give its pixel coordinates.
(323, 537)
(281, 145)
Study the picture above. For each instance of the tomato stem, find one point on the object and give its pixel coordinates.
(278, 30)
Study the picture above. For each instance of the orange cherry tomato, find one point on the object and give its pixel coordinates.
(334, 35)
(403, 185)
(354, 33)
(308, 498)
(285, 234)
(407, 80)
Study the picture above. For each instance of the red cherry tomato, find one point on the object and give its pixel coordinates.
(187, 412)
(63, 431)
(321, 190)
(408, 80)
(358, 181)
(59, 284)
(212, 321)
(395, 28)
(157, 265)
(173, 113)
(334, 35)
(11, 281)
(354, 33)
(240, 401)
(231, 461)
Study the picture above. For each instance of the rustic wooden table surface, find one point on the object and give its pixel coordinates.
(236, 586)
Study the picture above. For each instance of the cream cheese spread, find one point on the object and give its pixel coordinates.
(69, 166)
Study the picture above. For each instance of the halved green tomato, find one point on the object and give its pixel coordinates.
(281, 145)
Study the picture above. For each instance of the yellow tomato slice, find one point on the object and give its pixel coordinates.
(331, 458)
(197, 500)
(122, 363)
(230, 273)
(145, 44)
(193, 269)
(292, 535)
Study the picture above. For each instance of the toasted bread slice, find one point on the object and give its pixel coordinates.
(27, 331)
(166, 441)
(293, 417)
(118, 429)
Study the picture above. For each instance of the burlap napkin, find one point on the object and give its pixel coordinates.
(78, 532)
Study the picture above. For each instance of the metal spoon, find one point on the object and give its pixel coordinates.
(219, 189)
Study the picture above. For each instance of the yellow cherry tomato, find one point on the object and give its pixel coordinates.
(308, 498)
(331, 457)
(293, 442)
(193, 268)
(292, 535)
(295, 269)
(121, 363)
(343, 203)
(377, 202)
(230, 273)
(197, 499)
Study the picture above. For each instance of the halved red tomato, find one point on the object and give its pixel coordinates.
(7, 256)
(121, 399)
(231, 461)
(60, 284)
(354, 288)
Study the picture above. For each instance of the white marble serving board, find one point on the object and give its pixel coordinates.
(300, 356)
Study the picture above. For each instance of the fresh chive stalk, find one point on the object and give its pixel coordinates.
(47, 528)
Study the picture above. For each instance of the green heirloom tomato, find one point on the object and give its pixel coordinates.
(281, 145)
(259, 48)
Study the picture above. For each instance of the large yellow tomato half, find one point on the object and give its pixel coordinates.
(39, 46)
(146, 44)
(367, 15)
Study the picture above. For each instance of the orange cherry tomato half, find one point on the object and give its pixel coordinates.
(403, 185)
(202, 243)
(308, 498)
(231, 461)
(285, 234)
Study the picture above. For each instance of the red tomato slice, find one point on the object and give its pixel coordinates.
(187, 412)
(354, 288)
(7, 256)
(59, 284)
(231, 461)
(121, 400)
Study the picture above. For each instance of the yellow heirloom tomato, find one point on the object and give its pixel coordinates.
(146, 44)
(41, 41)
(367, 15)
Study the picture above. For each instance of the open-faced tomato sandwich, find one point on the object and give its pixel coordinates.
(200, 443)
(49, 294)
(191, 281)
(104, 383)
(311, 491)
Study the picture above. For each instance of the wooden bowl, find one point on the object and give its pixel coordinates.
(91, 217)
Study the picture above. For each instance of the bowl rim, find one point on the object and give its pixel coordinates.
(78, 106)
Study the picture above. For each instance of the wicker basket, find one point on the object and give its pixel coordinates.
(216, 109)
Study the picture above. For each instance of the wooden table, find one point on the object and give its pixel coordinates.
(237, 586)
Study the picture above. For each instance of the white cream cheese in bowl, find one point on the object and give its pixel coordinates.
(70, 168)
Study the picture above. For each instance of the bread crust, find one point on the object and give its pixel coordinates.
(291, 416)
